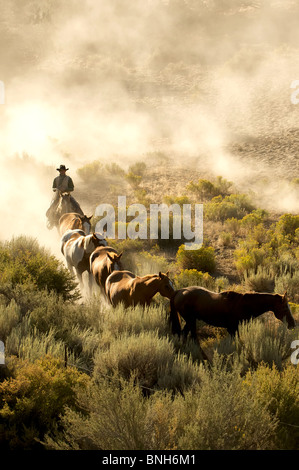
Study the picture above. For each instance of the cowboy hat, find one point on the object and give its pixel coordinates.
(62, 167)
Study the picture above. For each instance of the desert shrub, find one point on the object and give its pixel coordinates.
(9, 317)
(202, 259)
(91, 172)
(114, 169)
(260, 280)
(141, 197)
(202, 189)
(248, 260)
(23, 261)
(205, 189)
(232, 225)
(223, 186)
(120, 418)
(26, 342)
(135, 174)
(192, 277)
(232, 206)
(222, 415)
(256, 217)
(176, 200)
(267, 342)
(133, 320)
(32, 400)
(147, 263)
(184, 373)
(279, 392)
(287, 226)
(145, 355)
(225, 239)
(288, 282)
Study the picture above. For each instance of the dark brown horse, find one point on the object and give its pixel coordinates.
(103, 261)
(226, 309)
(129, 289)
(72, 221)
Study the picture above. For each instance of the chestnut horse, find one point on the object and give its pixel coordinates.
(225, 309)
(103, 261)
(77, 248)
(129, 289)
(73, 220)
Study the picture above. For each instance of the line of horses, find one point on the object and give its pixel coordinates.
(89, 252)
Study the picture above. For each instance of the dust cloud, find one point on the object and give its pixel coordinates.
(203, 81)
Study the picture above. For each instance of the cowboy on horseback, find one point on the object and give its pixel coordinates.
(61, 184)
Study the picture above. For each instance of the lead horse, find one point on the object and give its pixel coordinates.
(131, 290)
(63, 204)
(226, 309)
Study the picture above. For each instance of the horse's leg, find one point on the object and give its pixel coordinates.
(70, 267)
(193, 329)
(90, 283)
(80, 279)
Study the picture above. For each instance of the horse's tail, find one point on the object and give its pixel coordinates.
(92, 257)
(174, 318)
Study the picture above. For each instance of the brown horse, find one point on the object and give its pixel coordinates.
(129, 289)
(103, 261)
(72, 221)
(225, 309)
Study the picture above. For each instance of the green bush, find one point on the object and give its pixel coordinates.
(258, 341)
(135, 174)
(91, 173)
(261, 279)
(119, 417)
(145, 355)
(287, 226)
(9, 318)
(279, 392)
(202, 259)
(232, 206)
(205, 189)
(256, 217)
(23, 261)
(32, 400)
(202, 189)
(192, 277)
(222, 415)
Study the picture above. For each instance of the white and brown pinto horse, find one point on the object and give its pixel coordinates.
(77, 248)
(74, 220)
(131, 290)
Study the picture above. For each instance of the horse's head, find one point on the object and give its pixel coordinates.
(114, 262)
(282, 310)
(97, 239)
(165, 285)
(86, 223)
(64, 203)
